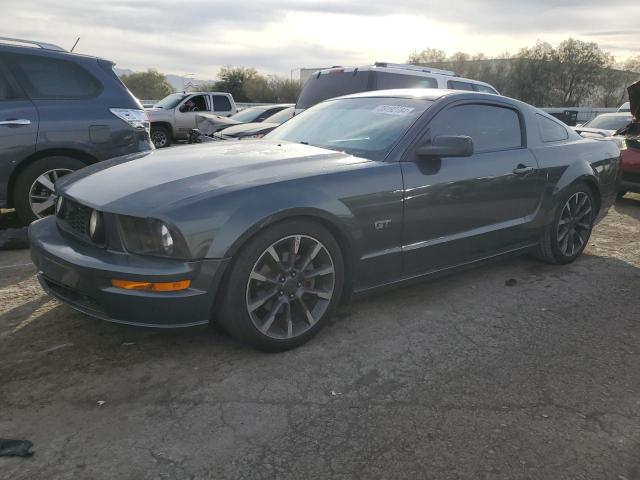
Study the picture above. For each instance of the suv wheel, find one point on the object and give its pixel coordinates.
(283, 286)
(160, 136)
(33, 194)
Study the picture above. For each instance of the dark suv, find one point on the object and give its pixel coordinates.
(59, 112)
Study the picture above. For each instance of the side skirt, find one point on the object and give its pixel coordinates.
(432, 274)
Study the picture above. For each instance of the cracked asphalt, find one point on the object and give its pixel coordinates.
(472, 376)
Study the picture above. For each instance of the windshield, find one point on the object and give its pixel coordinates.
(609, 122)
(366, 127)
(248, 114)
(280, 117)
(170, 101)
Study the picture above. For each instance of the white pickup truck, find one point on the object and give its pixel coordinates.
(173, 117)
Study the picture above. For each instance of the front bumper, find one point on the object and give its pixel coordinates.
(80, 274)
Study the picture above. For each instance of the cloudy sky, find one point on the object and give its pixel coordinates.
(276, 36)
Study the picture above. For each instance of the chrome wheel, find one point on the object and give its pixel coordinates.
(159, 138)
(574, 226)
(290, 287)
(41, 198)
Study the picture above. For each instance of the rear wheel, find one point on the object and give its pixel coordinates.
(284, 285)
(160, 136)
(33, 196)
(566, 237)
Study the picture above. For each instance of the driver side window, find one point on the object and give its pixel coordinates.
(197, 103)
(491, 128)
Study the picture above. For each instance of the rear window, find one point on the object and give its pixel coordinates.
(221, 103)
(333, 84)
(609, 122)
(385, 80)
(45, 78)
(551, 131)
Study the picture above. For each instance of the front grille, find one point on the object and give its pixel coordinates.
(76, 298)
(74, 218)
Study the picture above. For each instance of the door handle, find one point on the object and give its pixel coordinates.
(523, 170)
(16, 121)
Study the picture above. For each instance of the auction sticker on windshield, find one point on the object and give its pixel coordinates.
(393, 110)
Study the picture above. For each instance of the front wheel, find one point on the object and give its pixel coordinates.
(160, 136)
(284, 285)
(566, 237)
(33, 193)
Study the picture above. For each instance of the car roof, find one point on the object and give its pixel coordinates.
(614, 114)
(419, 93)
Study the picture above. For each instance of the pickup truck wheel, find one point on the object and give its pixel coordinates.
(33, 193)
(567, 235)
(160, 136)
(283, 287)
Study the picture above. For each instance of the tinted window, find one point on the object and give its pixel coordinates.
(609, 122)
(221, 103)
(268, 113)
(6, 91)
(457, 85)
(332, 84)
(483, 88)
(365, 127)
(280, 117)
(491, 128)
(248, 114)
(51, 78)
(386, 81)
(551, 131)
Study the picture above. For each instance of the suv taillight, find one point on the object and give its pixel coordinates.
(134, 117)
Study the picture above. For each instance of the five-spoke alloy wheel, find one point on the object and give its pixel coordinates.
(574, 226)
(283, 285)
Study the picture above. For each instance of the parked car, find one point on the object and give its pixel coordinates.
(625, 107)
(630, 135)
(59, 112)
(354, 195)
(245, 131)
(210, 124)
(173, 117)
(605, 126)
(338, 81)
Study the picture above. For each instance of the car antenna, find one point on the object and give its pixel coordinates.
(74, 45)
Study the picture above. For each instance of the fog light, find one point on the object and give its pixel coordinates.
(152, 286)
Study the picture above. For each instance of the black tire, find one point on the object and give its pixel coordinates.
(160, 136)
(26, 179)
(550, 249)
(234, 312)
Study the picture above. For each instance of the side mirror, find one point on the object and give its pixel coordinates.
(447, 146)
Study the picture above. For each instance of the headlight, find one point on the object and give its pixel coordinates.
(621, 142)
(59, 204)
(96, 227)
(150, 236)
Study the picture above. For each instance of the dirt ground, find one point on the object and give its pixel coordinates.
(466, 377)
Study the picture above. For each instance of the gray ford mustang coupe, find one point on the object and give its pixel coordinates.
(355, 194)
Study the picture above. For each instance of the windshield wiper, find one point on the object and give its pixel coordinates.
(304, 143)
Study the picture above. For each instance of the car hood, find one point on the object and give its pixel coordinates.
(209, 123)
(246, 129)
(594, 132)
(149, 182)
(634, 99)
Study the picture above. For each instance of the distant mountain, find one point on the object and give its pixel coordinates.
(176, 81)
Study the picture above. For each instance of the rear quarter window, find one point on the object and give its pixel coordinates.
(221, 103)
(551, 131)
(457, 85)
(45, 78)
